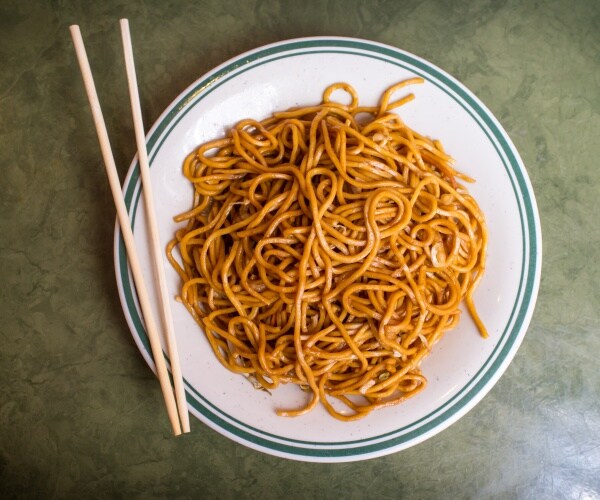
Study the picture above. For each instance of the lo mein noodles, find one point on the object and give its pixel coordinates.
(329, 246)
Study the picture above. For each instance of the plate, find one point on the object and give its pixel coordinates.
(463, 367)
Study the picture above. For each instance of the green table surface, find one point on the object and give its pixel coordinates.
(81, 414)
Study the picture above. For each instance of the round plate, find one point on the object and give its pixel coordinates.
(463, 366)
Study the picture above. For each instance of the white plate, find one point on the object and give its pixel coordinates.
(463, 367)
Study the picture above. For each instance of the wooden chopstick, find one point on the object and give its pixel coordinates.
(132, 254)
(157, 252)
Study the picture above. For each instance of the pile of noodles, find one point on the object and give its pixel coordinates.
(329, 246)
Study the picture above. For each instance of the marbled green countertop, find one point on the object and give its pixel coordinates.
(81, 414)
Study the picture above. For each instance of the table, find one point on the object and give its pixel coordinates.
(80, 412)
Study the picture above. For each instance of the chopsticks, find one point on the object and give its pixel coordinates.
(176, 409)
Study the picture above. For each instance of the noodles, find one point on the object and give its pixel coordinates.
(329, 252)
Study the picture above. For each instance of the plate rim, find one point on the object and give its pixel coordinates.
(471, 393)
